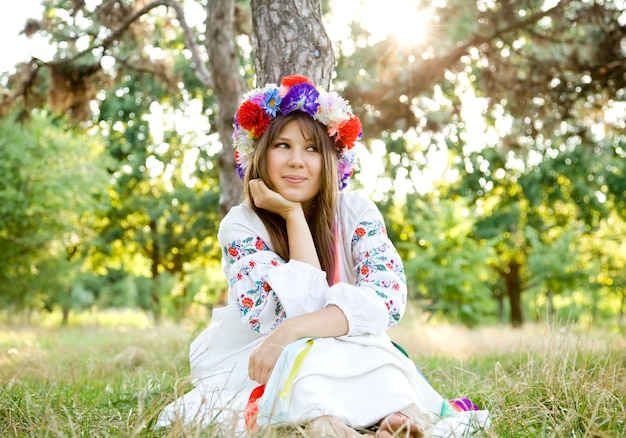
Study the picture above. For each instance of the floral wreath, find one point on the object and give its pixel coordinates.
(296, 93)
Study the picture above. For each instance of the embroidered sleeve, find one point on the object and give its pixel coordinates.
(374, 298)
(249, 260)
(379, 267)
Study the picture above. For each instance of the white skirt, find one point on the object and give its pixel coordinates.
(359, 379)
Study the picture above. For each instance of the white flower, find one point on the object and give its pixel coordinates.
(333, 108)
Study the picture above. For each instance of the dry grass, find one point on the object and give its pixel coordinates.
(546, 381)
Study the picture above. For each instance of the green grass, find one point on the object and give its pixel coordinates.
(87, 381)
(107, 380)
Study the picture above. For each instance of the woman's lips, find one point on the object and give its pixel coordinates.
(294, 179)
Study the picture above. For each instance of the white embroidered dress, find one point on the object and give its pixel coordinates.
(360, 377)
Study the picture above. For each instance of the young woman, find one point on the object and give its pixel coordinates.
(314, 283)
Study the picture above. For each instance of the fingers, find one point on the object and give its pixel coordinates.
(256, 186)
(259, 371)
(262, 195)
(262, 361)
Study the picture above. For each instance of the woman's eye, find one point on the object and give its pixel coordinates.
(281, 145)
(312, 148)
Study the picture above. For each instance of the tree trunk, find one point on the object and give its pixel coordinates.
(288, 38)
(155, 259)
(514, 291)
(500, 299)
(229, 88)
(65, 310)
(549, 306)
(621, 319)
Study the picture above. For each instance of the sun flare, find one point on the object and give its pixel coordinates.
(404, 20)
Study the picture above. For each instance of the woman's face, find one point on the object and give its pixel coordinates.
(294, 165)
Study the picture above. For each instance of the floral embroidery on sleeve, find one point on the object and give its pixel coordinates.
(379, 266)
(256, 299)
(241, 248)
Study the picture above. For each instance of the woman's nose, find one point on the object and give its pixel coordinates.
(295, 158)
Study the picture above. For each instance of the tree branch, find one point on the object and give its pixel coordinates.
(201, 71)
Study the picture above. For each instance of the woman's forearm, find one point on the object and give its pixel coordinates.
(324, 323)
(301, 245)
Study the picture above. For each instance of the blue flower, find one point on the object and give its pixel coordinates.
(271, 102)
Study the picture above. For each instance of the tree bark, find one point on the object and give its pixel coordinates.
(229, 88)
(288, 38)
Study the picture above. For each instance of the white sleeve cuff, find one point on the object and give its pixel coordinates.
(364, 310)
(300, 287)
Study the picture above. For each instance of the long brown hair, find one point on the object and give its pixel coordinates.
(321, 219)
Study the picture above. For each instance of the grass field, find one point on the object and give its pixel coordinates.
(105, 379)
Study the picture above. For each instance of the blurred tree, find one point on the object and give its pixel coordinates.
(165, 190)
(450, 270)
(521, 101)
(118, 64)
(52, 183)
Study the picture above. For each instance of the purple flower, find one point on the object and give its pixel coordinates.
(345, 162)
(301, 97)
(464, 404)
(240, 172)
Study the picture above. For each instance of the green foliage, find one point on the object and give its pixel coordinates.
(445, 268)
(554, 265)
(51, 184)
(162, 223)
(507, 101)
(513, 109)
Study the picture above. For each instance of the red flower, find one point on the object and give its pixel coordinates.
(274, 263)
(360, 232)
(259, 244)
(266, 286)
(348, 131)
(365, 270)
(253, 118)
(395, 286)
(247, 303)
(233, 251)
(290, 81)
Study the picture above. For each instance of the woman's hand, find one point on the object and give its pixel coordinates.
(324, 323)
(264, 357)
(270, 200)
